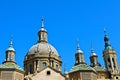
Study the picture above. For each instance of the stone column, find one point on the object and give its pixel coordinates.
(111, 62)
(34, 66)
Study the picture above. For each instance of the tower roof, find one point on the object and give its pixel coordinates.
(93, 52)
(107, 41)
(11, 46)
(78, 48)
(42, 26)
(10, 66)
(82, 67)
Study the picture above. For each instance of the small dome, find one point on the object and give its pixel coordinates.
(93, 53)
(10, 49)
(79, 51)
(42, 48)
(108, 48)
(11, 46)
(43, 29)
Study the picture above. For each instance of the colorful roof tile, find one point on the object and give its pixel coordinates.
(82, 67)
(99, 68)
(10, 65)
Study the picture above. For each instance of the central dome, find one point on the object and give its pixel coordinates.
(42, 54)
(42, 48)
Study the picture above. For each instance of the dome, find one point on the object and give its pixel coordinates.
(10, 49)
(42, 48)
(43, 29)
(93, 53)
(79, 51)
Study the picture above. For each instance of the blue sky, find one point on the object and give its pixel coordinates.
(65, 20)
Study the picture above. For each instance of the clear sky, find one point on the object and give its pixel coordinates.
(65, 20)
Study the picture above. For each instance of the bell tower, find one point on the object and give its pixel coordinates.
(93, 58)
(10, 54)
(79, 56)
(110, 58)
(42, 33)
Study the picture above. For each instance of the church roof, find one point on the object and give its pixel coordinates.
(10, 65)
(99, 68)
(82, 67)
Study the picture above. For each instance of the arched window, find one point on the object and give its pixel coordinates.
(30, 68)
(52, 63)
(109, 65)
(113, 62)
(57, 67)
(44, 64)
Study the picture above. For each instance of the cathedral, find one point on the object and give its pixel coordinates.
(42, 62)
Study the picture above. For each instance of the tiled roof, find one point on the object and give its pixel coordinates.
(10, 65)
(83, 67)
(99, 68)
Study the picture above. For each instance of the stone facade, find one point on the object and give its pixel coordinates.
(11, 75)
(47, 73)
(83, 75)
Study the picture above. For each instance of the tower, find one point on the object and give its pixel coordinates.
(79, 56)
(42, 33)
(9, 70)
(110, 58)
(93, 58)
(10, 54)
(81, 71)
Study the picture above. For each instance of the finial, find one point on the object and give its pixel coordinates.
(42, 22)
(92, 50)
(11, 44)
(92, 46)
(104, 31)
(78, 45)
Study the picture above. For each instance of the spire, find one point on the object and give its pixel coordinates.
(104, 31)
(42, 22)
(107, 41)
(92, 50)
(42, 25)
(11, 46)
(78, 47)
(42, 33)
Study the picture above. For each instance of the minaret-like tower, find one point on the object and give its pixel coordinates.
(79, 56)
(110, 58)
(42, 33)
(9, 70)
(10, 54)
(93, 58)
